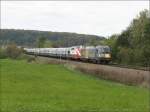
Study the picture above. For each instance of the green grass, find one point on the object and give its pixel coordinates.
(30, 87)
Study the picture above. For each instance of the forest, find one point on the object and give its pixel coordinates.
(30, 38)
(131, 46)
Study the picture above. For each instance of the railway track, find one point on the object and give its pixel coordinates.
(131, 67)
(110, 64)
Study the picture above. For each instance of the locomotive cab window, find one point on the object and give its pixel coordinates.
(106, 50)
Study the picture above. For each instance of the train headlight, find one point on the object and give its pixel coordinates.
(107, 56)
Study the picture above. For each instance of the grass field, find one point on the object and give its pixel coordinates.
(31, 87)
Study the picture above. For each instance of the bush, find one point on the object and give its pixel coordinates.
(2, 53)
(31, 59)
(12, 51)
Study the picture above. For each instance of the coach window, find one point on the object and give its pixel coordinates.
(68, 52)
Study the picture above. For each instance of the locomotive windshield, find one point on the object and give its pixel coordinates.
(106, 49)
(103, 50)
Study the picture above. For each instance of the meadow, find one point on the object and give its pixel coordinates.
(32, 87)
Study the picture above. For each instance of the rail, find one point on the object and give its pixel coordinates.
(110, 64)
(131, 67)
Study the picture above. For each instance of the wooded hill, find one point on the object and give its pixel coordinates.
(55, 39)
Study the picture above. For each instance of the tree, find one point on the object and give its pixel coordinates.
(48, 43)
(41, 42)
(132, 46)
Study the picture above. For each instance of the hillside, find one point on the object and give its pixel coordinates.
(30, 37)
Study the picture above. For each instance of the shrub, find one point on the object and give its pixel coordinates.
(31, 59)
(12, 51)
(2, 53)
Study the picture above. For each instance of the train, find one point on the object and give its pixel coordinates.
(95, 54)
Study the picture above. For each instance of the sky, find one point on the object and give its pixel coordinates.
(102, 18)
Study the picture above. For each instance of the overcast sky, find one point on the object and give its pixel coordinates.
(87, 17)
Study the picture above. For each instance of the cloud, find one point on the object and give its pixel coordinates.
(89, 17)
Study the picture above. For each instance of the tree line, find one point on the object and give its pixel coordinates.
(132, 46)
(30, 38)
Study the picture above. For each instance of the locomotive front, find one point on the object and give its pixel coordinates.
(104, 54)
